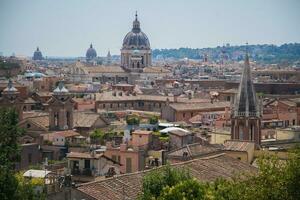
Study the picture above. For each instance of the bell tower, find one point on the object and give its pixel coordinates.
(10, 97)
(61, 109)
(245, 115)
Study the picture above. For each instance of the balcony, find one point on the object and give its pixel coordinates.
(84, 172)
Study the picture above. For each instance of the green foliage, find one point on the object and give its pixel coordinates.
(9, 133)
(47, 142)
(26, 188)
(189, 190)
(100, 137)
(132, 120)
(97, 137)
(11, 185)
(286, 53)
(275, 180)
(153, 120)
(154, 182)
(164, 139)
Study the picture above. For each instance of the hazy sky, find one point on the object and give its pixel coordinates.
(67, 27)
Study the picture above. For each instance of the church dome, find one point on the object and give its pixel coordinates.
(91, 53)
(37, 55)
(136, 39)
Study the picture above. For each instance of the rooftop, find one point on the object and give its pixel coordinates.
(199, 106)
(234, 145)
(129, 186)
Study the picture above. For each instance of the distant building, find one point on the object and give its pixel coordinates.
(136, 51)
(37, 55)
(10, 97)
(91, 54)
(108, 58)
(61, 107)
(245, 116)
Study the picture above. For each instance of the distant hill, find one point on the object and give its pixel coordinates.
(266, 53)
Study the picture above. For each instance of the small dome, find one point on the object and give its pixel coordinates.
(136, 39)
(37, 55)
(10, 88)
(60, 88)
(91, 53)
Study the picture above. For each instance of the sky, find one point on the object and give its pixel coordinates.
(67, 27)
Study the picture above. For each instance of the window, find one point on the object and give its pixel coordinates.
(183, 115)
(87, 164)
(103, 105)
(28, 125)
(111, 105)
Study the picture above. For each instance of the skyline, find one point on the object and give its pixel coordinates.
(68, 32)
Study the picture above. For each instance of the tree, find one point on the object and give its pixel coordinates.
(9, 152)
(97, 137)
(155, 181)
(275, 180)
(132, 120)
(153, 120)
(10, 185)
(188, 190)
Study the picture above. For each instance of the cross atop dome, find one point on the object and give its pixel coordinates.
(136, 24)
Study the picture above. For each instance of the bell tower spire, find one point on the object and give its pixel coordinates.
(245, 114)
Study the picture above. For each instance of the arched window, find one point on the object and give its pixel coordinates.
(68, 119)
(56, 119)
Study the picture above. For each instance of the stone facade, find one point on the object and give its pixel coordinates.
(136, 51)
(246, 117)
(61, 108)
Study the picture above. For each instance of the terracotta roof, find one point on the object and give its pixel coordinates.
(196, 119)
(179, 133)
(195, 151)
(199, 106)
(83, 155)
(104, 69)
(142, 132)
(156, 70)
(29, 100)
(289, 103)
(129, 186)
(68, 133)
(233, 145)
(108, 96)
(81, 119)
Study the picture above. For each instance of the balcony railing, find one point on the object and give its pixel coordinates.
(84, 172)
(246, 114)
